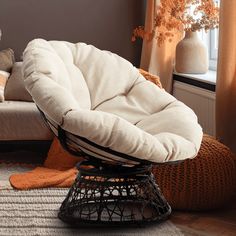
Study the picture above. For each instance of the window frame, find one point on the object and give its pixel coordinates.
(211, 39)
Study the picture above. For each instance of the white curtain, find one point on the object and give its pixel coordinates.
(154, 59)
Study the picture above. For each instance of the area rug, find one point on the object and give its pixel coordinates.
(34, 212)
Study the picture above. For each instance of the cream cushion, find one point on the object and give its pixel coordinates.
(103, 98)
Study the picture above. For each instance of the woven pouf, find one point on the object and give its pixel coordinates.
(205, 182)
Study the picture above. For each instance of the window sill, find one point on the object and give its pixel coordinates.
(206, 81)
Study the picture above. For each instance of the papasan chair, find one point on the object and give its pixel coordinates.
(101, 107)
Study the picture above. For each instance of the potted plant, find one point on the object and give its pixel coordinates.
(188, 16)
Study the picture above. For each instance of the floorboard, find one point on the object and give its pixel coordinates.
(221, 222)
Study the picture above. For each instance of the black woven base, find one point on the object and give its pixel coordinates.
(114, 195)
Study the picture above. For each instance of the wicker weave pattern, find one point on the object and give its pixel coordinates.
(114, 196)
(205, 182)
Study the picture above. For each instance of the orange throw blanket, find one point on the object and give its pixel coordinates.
(59, 168)
(58, 171)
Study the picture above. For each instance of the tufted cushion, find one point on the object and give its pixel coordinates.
(205, 182)
(104, 100)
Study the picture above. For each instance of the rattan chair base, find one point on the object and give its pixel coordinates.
(114, 195)
(110, 194)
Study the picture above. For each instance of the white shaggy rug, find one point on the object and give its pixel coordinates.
(34, 212)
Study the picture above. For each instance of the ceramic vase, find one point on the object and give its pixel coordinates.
(191, 55)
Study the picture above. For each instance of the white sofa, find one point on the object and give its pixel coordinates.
(21, 120)
(21, 124)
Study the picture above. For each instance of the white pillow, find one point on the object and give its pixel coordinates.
(3, 80)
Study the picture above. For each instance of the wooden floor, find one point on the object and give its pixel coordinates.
(220, 222)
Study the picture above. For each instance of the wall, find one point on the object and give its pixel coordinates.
(107, 24)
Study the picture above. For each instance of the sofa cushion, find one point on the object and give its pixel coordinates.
(3, 80)
(15, 88)
(7, 59)
(22, 121)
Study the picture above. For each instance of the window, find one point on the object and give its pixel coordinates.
(211, 40)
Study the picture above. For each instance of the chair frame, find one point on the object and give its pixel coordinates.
(107, 193)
